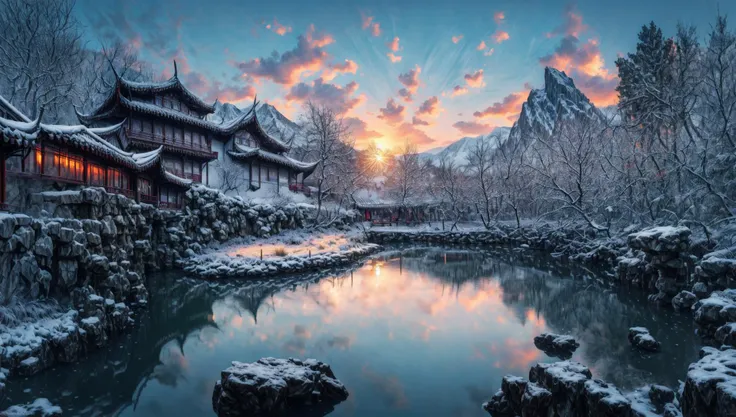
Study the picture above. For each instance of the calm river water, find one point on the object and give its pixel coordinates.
(415, 332)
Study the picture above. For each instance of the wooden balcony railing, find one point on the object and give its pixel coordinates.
(203, 148)
(150, 199)
(194, 177)
(123, 191)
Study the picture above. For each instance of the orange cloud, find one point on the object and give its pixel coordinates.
(473, 128)
(459, 91)
(501, 36)
(498, 17)
(583, 61)
(456, 39)
(475, 79)
(278, 28)
(405, 95)
(393, 58)
(346, 67)
(509, 105)
(481, 46)
(368, 23)
(359, 130)
(394, 44)
(287, 68)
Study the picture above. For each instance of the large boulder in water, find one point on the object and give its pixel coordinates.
(553, 344)
(710, 387)
(640, 338)
(272, 385)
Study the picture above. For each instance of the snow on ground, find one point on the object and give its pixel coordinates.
(26, 338)
(296, 242)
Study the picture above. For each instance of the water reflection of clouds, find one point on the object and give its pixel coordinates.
(387, 387)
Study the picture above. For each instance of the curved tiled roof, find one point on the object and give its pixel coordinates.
(245, 152)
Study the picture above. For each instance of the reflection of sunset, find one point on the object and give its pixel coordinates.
(390, 307)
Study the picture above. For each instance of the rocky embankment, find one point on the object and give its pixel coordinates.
(569, 389)
(90, 251)
(213, 267)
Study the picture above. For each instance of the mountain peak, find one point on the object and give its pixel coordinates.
(545, 108)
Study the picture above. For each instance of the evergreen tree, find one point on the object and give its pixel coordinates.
(646, 76)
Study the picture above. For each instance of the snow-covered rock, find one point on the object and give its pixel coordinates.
(273, 385)
(715, 311)
(640, 338)
(553, 344)
(710, 387)
(684, 300)
(40, 407)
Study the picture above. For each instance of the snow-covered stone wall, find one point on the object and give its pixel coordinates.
(90, 251)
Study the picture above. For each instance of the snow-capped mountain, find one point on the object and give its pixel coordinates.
(459, 150)
(546, 107)
(270, 118)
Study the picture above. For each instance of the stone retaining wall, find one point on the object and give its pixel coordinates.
(91, 253)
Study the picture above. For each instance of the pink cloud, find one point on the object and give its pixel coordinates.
(430, 107)
(287, 68)
(410, 79)
(481, 46)
(459, 91)
(333, 70)
(368, 23)
(407, 131)
(278, 28)
(406, 95)
(393, 58)
(215, 90)
(456, 39)
(498, 17)
(509, 105)
(473, 128)
(416, 121)
(572, 26)
(475, 79)
(340, 99)
(394, 44)
(359, 130)
(393, 113)
(501, 36)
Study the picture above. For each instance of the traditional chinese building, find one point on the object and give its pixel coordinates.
(38, 157)
(166, 114)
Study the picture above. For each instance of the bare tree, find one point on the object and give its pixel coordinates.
(328, 142)
(480, 169)
(233, 178)
(405, 180)
(453, 188)
(97, 78)
(40, 54)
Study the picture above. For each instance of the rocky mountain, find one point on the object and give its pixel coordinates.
(544, 108)
(270, 118)
(459, 150)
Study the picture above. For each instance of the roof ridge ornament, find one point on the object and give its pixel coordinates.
(175, 70)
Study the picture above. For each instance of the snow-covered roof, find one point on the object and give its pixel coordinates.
(12, 112)
(245, 152)
(79, 137)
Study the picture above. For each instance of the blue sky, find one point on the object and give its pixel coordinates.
(337, 53)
